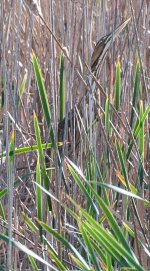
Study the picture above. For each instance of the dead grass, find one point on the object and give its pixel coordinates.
(77, 25)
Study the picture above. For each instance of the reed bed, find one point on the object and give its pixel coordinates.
(74, 146)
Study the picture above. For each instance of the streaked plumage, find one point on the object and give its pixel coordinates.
(102, 47)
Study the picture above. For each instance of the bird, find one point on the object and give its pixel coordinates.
(97, 58)
(102, 46)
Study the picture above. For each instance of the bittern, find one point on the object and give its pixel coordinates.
(97, 59)
(102, 47)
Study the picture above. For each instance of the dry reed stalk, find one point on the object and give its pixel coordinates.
(77, 27)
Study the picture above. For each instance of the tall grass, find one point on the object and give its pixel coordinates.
(82, 202)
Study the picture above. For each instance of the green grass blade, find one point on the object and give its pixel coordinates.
(42, 90)
(113, 223)
(118, 86)
(82, 187)
(106, 198)
(2, 213)
(108, 241)
(33, 263)
(64, 242)
(39, 197)
(122, 163)
(22, 88)
(137, 129)
(105, 239)
(23, 248)
(56, 260)
(99, 251)
(141, 133)
(42, 159)
(86, 181)
(89, 247)
(38, 139)
(109, 262)
(79, 263)
(38, 192)
(135, 93)
(32, 148)
(108, 214)
(43, 95)
(141, 146)
(29, 222)
(123, 166)
(125, 192)
(3, 192)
